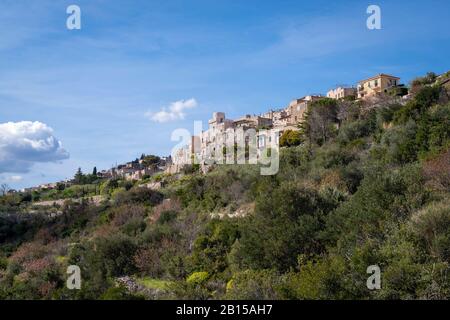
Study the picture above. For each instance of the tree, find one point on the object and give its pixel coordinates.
(320, 120)
(348, 110)
(94, 172)
(60, 186)
(150, 160)
(79, 177)
(4, 188)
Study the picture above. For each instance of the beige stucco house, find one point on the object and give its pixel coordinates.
(375, 85)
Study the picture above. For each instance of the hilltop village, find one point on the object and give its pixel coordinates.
(268, 127)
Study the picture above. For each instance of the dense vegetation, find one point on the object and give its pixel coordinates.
(361, 185)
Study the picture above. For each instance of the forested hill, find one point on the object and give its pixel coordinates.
(361, 184)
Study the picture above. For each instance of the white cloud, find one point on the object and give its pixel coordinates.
(10, 179)
(16, 178)
(175, 111)
(24, 143)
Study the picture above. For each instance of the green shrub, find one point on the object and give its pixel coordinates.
(352, 131)
(254, 285)
(138, 195)
(290, 138)
(287, 222)
(432, 225)
(198, 278)
(167, 216)
(212, 246)
(119, 293)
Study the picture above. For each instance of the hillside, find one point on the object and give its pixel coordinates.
(360, 185)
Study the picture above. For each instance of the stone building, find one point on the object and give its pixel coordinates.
(257, 131)
(342, 92)
(297, 108)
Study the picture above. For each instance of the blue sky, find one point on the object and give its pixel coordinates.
(98, 87)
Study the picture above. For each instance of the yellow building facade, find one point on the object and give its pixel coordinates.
(375, 85)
